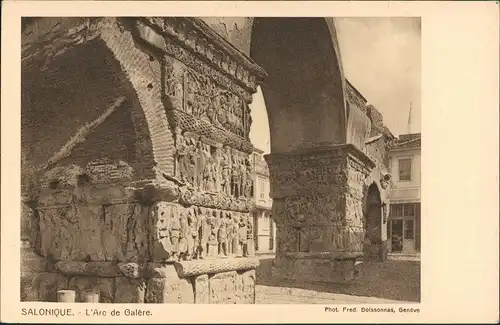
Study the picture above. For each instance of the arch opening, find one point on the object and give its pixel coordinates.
(73, 98)
(303, 92)
(373, 222)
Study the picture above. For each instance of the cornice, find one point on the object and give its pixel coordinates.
(196, 36)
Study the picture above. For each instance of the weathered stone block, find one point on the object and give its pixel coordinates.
(71, 268)
(170, 290)
(45, 286)
(159, 270)
(222, 288)
(131, 270)
(245, 287)
(201, 289)
(125, 232)
(102, 269)
(105, 287)
(166, 286)
(71, 233)
(129, 290)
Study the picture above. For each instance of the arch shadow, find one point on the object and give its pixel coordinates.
(305, 108)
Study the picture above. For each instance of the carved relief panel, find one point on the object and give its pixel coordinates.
(319, 208)
(201, 97)
(195, 232)
(209, 167)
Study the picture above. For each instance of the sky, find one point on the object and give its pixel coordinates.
(381, 58)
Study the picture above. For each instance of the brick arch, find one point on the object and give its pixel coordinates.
(304, 91)
(144, 74)
(133, 70)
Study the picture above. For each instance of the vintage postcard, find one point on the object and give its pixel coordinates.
(338, 157)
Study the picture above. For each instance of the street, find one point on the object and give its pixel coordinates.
(395, 280)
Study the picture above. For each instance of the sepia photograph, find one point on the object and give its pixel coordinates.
(220, 160)
(339, 158)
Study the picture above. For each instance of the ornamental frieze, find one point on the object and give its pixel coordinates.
(201, 41)
(324, 208)
(214, 201)
(308, 175)
(196, 64)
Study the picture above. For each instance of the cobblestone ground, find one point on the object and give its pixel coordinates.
(379, 282)
(287, 295)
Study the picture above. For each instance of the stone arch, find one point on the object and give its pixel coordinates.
(305, 108)
(317, 162)
(106, 51)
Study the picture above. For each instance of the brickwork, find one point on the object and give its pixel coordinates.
(144, 72)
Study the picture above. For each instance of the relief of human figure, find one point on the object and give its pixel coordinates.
(181, 155)
(223, 114)
(186, 153)
(247, 121)
(213, 177)
(236, 175)
(214, 223)
(222, 236)
(242, 235)
(216, 170)
(250, 242)
(243, 175)
(209, 172)
(204, 232)
(178, 89)
(226, 177)
(229, 232)
(234, 227)
(248, 179)
(201, 161)
(161, 243)
(184, 236)
(194, 225)
(175, 232)
(167, 231)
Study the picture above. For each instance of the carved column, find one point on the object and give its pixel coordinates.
(317, 205)
(207, 232)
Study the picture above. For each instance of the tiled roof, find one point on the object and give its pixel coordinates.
(408, 141)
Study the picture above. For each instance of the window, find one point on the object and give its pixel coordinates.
(396, 210)
(404, 169)
(408, 229)
(262, 189)
(408, 210)
(402, 210)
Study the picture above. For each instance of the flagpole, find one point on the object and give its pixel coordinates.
(409, 120)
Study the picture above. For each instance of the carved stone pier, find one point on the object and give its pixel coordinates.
(151, 200)
(317, 204)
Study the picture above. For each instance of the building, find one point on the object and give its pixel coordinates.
(264, 226)
(376, 185)
(404, 195)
